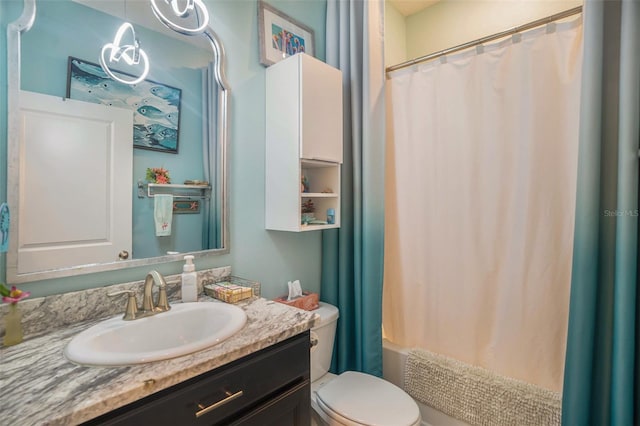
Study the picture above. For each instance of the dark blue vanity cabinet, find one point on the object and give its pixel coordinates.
(268, 387)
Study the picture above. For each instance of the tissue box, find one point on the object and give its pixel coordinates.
(308, 301)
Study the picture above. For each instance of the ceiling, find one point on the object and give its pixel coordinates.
(409, 7)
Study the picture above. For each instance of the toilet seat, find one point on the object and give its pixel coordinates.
(335, 417)
(354, 398)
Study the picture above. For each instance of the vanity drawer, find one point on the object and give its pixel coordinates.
(277, 376)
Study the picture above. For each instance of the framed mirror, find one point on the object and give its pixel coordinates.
(59, 184)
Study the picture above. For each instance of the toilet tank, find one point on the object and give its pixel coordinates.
(325, 333)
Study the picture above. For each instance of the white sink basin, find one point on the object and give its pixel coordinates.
(186, 328)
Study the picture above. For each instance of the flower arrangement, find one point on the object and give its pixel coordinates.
(308, 207)
(12, 296)
(158, 175)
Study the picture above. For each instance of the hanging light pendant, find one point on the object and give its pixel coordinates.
(131, 54)
(188, 8)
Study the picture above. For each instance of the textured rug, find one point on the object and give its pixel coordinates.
(478, 396)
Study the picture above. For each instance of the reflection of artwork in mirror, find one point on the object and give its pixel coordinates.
(156, 106)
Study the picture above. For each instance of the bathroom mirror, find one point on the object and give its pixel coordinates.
(43, 44)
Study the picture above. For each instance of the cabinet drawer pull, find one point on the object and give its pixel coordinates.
(230, 397)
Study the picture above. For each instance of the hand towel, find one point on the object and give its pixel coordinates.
(163, 214)
(4, 228)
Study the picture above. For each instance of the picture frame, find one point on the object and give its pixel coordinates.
(281, 36)
(155, 106)
(186, 207)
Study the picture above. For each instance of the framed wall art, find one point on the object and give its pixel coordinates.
(155, 106)
(281, 36)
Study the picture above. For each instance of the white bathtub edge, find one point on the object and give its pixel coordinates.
(393, 364)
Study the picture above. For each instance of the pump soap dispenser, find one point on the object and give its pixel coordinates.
(189, 280)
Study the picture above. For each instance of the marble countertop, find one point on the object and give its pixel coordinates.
(40, 387)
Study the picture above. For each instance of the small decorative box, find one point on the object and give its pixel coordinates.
(232, 289)
(308, 301)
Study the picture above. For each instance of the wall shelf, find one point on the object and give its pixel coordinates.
(318, 195)
(303, 143)
(179, 191)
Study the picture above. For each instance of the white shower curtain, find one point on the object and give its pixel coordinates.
(480, 203)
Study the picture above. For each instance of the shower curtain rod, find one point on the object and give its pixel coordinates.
(514, 30)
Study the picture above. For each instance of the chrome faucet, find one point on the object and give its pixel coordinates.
(148, 308)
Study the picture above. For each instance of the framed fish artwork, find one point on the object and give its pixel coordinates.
(155, 106)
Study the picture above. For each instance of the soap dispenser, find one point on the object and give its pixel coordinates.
(189, 280)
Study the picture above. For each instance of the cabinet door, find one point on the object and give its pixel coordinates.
(291, 408)
(320, 111)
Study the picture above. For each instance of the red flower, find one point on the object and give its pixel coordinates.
(158, 175)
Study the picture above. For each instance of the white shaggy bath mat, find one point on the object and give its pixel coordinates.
(478, 396)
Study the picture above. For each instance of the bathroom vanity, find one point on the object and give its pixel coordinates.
(258, 376)
(270, 386)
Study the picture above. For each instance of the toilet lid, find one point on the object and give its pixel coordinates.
(369, 400)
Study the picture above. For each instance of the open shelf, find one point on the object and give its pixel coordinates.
(318, 195)
(178, 191)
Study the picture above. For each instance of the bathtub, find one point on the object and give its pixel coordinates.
(393, 362)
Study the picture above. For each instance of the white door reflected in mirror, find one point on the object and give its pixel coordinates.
(70, 211)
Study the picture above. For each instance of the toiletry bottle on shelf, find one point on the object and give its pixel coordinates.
(189, 281)
(331, 216)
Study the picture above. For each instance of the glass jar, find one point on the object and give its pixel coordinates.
(13, 326)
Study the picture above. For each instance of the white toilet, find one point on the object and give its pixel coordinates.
(352, 398)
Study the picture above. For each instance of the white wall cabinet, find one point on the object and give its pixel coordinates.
(303, 139)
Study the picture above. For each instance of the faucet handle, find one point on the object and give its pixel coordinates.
(163, 303)
(131, 310)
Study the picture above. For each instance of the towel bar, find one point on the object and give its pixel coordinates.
(180, 192)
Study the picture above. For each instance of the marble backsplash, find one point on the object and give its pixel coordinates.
(45, 314)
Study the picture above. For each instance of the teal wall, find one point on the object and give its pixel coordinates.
(271, 257)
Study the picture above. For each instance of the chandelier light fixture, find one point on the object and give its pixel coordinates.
(183, 9)
(131, 54)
